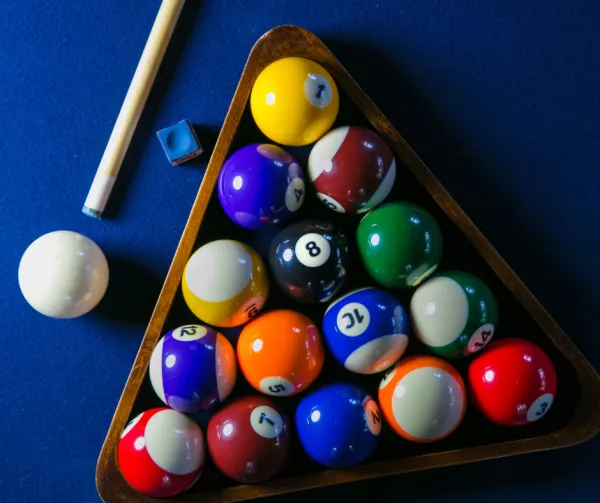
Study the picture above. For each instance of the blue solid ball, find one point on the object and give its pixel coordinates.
(366, 330)
(338, 425)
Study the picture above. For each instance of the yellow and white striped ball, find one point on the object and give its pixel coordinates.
(225, 283)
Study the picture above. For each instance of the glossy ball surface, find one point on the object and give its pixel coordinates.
(454, 314)
(352, 169)
(423, 398)
(248, 440)
(366, 330)
(261, 186)
(280, 353)
(294, 101)
(338, 425)
(193, 368)
(63, 274)
(309, 260)
(225, 283)
(513, 382)
(400, 244)
(161, 452)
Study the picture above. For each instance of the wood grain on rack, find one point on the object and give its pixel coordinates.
(293, 41)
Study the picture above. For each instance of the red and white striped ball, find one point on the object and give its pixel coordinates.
(352, 169)
(161, 452)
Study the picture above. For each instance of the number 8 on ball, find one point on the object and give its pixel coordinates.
(309, 260)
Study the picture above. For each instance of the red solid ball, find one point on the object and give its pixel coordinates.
(161, 452)
(248, 439)
(513, 382)
(352, 169)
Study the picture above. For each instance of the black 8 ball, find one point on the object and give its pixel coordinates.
(309, 260)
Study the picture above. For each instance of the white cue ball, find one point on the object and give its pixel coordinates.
(63, 274)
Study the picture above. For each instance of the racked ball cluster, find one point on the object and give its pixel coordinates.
(324, 289)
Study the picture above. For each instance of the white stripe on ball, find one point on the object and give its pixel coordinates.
(174, 442)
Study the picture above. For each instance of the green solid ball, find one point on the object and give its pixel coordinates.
(400, 244)
(454, 314)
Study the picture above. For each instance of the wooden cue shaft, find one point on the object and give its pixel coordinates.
(132, 107)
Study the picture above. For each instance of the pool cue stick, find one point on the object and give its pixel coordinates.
(133, 106)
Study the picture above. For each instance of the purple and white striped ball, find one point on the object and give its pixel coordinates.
(193, 368)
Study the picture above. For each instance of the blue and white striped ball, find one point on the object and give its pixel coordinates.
(366, 330)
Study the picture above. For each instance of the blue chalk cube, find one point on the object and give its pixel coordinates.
(180, 142)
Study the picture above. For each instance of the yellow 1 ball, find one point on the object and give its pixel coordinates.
(225, 283)
(294, 101)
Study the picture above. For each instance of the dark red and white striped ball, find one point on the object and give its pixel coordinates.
(352, 169)
(161, 452)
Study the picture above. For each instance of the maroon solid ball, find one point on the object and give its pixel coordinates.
(248, 439)
(352, 169)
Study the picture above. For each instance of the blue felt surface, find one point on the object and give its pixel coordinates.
(501, 100)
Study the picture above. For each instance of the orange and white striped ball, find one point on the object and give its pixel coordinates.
(423, 398)
(225, 283)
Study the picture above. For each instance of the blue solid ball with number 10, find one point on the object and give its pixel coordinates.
(366, 330)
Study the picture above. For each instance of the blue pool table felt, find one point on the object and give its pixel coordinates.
(500, 99)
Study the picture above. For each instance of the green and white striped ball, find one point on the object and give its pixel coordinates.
(454, 314)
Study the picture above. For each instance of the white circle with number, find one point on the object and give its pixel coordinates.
(294, 194)
(276, 386)
(266, 421)
(312, 250)
(189, 333)
(251, 308)
(353, 319)
(331, 203)
(480, 338)
(540, 407)
(317, 90)
(373, 416)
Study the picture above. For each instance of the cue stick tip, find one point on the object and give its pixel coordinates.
(90, 212)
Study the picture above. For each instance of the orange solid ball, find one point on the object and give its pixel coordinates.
(280, 353)
(423, 398)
